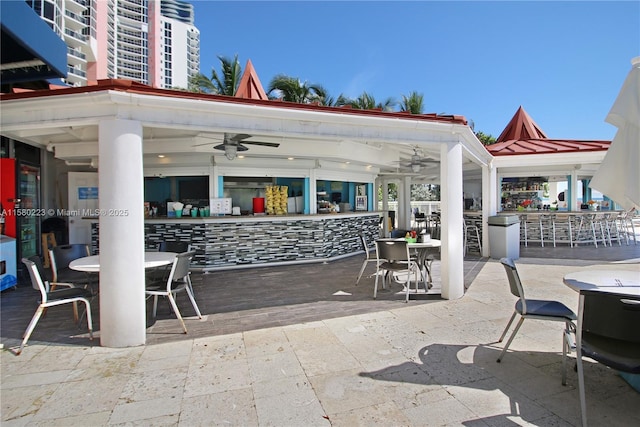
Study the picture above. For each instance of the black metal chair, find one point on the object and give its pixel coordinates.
(61, 257)
(393, 257)
(607, 333)
(537, 309)
(50, 298)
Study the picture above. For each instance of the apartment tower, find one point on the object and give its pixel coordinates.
(149, 41)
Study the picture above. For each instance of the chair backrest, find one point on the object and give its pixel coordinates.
(392, 250)
(610, 315)
(365, 244)
(173, 246)
(62, 255)
(180, 267)
(37, 281)
(515, 284)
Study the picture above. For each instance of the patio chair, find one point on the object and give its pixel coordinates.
(178, 280)
(368, 258)
(393, 257)
(51, 298)
(60, 258)
(607, 333)
(537, 309)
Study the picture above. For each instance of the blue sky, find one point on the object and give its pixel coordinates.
(564, 62)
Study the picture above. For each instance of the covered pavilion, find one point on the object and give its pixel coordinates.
(122, 127)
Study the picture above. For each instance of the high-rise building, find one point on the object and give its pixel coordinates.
(179, 44)
(149, 41)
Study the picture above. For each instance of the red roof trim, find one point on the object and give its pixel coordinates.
(546, 146)
(130, 86)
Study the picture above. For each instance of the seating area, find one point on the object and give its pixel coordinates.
(308, 330)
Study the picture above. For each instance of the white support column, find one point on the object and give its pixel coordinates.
(452, 204)
(385, 208)
(122, 299)
(404, 203)
(491, 194)
(572, 203)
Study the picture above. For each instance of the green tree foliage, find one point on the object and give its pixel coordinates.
(292, 89)
(425, 192)
(367, 102)
(225, 83)
(485, 139)
(414, 103)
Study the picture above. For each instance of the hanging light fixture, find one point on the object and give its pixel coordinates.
(230, 151)
(415, 167)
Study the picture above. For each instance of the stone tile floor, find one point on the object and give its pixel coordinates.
(277, 347)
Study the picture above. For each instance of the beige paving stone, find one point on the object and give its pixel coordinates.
(83, 397)
(310, 336)
(24, 402)
(299, 408)
(35, 379)
(207, 378)
(173, 350)
(274, 366)
(322, 360)
(221, 347)
(227, 408)
(144, 410)
(95, 419)
(282, 385)
(155, 385)
(347, 390)
(382, 415)
(162, 421)
(442, 412)
(265, 341)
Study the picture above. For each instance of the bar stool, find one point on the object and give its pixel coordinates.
(471, 236)
(537, 224)
(562, 228)
(590, 222)
(613, 231)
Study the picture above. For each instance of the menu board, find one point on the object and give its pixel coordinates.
(220, 206)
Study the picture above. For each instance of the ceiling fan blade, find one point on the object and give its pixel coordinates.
(237, 137)
(266, 144)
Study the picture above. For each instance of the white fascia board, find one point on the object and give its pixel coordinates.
(176, 171)
(246, 118)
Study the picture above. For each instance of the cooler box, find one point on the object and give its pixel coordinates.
(504, 236)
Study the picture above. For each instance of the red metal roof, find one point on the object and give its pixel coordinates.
(523, 136)
(521, 126)
(545, 146)
(129, 86)
(250, 86)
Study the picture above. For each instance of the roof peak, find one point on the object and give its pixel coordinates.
(250, 86)
(520, 127)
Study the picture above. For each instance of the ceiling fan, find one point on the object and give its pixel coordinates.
(233, 143)
(417, 162)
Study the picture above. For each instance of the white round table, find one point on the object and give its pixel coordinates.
(91, 264)
(611, 281)
(422, 249)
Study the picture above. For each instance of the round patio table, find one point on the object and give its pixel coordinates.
(91, 264)
(611, 281)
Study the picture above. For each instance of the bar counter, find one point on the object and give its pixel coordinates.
(228, 242)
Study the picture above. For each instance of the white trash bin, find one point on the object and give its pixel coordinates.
(504, 236)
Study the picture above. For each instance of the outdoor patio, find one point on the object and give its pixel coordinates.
(283, 346)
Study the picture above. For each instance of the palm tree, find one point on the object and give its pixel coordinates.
(224, 84)
(367, 102)
(292, 89)
(414, 103)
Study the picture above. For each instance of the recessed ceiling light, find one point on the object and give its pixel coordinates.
(347, 162)
(161, 156)
(290, 158)
(241, 157)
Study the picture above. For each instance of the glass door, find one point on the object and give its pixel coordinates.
(28, 222)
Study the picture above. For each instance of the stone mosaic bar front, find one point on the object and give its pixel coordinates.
(238, 242)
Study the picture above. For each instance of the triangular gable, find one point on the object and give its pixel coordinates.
(521, 127)
(250, 86)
